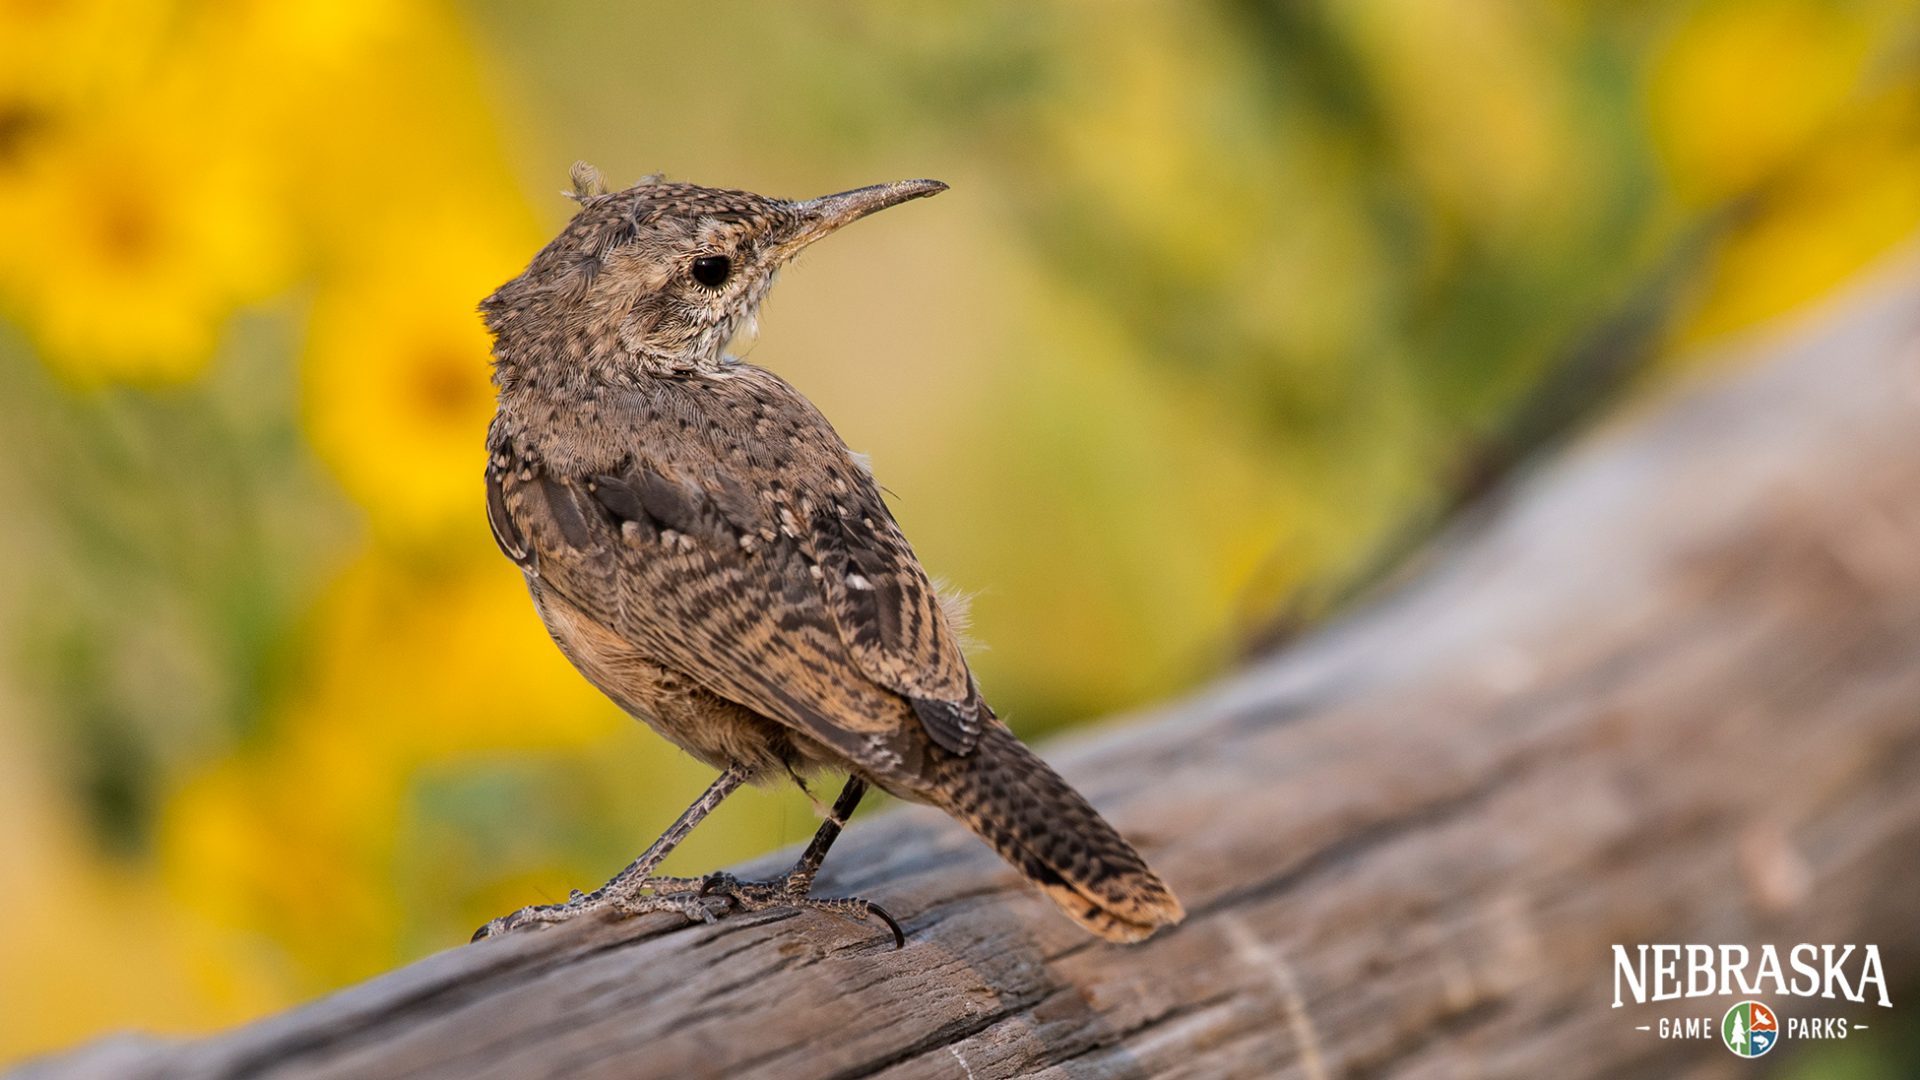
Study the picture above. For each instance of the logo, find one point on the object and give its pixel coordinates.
(1750, 1029)
(1665, 972)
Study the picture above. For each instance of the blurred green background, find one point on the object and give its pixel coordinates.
(1225, 294)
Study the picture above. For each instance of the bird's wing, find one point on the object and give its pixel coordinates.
(771, 574)
(888, 613)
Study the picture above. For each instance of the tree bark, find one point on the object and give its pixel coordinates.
(1667, 691)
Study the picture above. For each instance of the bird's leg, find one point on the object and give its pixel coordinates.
(800, 878)
(624, 892)
(794, 888)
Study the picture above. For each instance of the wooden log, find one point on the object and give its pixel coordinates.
(1668, 692)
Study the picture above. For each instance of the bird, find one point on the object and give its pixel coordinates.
(706, 550)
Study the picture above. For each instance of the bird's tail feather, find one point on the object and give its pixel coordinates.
(1018, 804)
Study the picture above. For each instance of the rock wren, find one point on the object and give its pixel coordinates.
(707, 551)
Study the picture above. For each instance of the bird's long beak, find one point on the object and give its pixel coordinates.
(829, 213)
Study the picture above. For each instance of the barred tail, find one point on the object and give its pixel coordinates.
(1018, 804)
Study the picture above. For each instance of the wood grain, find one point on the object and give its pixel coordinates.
(1669, 691)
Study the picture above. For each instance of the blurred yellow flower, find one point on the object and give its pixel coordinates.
(1789, 107)
(408, 660)
(60, 56)
(252, 847)
(294, 840)
(1852, 198)
(1744, 84)
(396, 373)
(132, 236)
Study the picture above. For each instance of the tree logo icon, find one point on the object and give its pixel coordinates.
(1750, 1029)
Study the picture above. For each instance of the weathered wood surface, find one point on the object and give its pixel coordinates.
(1669, 693)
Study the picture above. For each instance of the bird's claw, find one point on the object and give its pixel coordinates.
(792, 892)
(680, 895)
(697, 899)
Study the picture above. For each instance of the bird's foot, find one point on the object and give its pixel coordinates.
(793, 891)
(639, 897)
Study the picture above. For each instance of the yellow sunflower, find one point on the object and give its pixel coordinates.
(131, 236)
(397, 390)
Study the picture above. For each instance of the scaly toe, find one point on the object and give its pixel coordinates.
(693, 905)
(788, 892)
(637, 897)
(539, 915)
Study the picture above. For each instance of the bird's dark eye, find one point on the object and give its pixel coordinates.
(711, 270)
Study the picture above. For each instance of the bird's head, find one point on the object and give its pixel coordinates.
(661, 275)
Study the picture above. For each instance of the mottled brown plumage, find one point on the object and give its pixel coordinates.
(708, 552)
